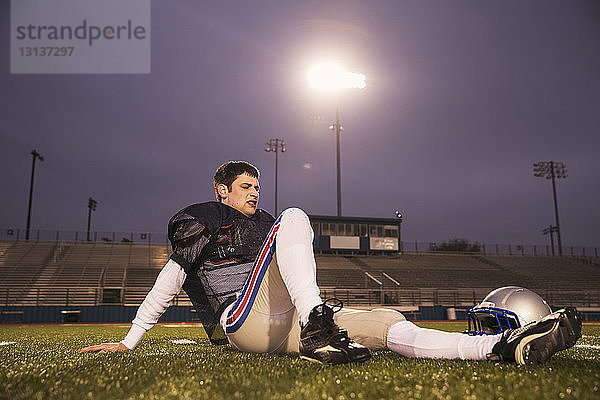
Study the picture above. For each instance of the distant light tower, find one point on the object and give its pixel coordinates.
(91, 207)
(400, 217)
(332, 77)
(35, 155)
(550, 231)
(276, 145)
(552, 170)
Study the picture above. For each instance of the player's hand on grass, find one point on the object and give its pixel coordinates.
(104, 348)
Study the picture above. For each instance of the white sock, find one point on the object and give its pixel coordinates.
(296, 261)
(410, 340)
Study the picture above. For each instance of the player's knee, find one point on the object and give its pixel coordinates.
(369, 328)
(294, 215)
(387, 316)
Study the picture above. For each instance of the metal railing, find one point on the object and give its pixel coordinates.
(45, 235)
(503, 249)
(160, 238)
(77, 296)
(449, 297)
(133, 296)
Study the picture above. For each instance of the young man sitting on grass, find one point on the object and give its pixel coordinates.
(253, 282)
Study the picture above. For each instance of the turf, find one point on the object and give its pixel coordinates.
(41, 362)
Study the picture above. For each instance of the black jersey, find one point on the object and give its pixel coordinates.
(216, 245)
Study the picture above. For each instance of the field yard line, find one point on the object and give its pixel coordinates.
(183, 341)
(7, 343)
(587, 346)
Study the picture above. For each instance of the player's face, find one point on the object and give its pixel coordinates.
(243, 195)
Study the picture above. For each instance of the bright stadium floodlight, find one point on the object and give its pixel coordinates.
(552, 170)
(331, 77)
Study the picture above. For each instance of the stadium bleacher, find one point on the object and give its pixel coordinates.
(81, 273)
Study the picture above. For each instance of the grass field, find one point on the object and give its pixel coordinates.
(177, 362)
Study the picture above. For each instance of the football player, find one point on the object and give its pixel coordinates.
(266, 299)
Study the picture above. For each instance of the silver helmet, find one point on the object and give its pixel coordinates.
(505, 308)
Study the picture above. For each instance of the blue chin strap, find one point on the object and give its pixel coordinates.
(490, 321)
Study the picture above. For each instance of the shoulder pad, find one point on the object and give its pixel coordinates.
(193, 220)
(183, 227)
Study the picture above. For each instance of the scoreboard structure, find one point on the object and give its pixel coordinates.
(356, 235)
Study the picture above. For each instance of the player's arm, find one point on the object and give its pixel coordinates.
(104, 348)
(188, 235)
(168, 284)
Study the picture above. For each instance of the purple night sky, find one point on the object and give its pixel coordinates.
(462, 98)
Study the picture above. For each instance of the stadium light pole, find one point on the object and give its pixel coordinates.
(276, 145)
(36, 156)
(552, 170)
(400, 217)
(331, 77)
(550, 231)
(338, 130)
(91, 207)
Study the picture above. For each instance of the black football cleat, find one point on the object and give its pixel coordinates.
(322, 341)
(538, 341)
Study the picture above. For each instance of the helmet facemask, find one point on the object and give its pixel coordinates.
(491, 321)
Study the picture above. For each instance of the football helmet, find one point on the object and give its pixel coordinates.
(505, 308)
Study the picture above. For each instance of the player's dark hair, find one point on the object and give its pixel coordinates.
(229, 171)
